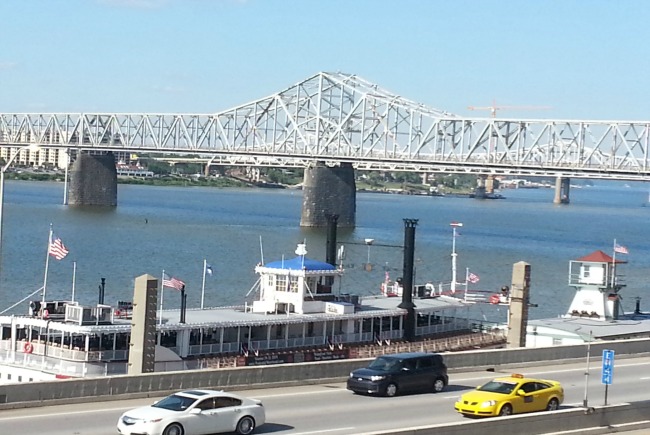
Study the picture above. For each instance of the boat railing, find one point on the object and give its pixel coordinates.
(51, 364)
(439, 328)
(54, 350)
(289, 343)
(39, 347)
(304, 342)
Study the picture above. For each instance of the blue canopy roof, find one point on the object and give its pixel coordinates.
(300, 263)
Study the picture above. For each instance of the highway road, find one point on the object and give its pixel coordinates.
(331, 409)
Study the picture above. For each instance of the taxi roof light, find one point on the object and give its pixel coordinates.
(517, 375)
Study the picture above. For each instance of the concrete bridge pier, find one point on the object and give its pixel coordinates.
(490, 184)
(562, 187)
(479, 191)
(93, 180)
(329, 191)
(484, 186)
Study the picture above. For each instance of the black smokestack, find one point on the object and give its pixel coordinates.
(183, 304)
(102, 288)
(330, 248)
(407, 278)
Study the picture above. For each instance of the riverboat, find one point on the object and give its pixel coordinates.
(293, 309)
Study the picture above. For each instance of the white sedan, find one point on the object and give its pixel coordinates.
(194, 412)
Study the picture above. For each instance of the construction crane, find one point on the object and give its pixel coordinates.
(493, 108)
(493, 111)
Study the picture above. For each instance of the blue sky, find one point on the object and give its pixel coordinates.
(586, 59)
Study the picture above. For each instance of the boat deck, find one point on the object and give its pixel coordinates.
(242, 315)
(627, 325)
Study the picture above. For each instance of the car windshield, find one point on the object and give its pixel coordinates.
(384, 364)
(175, 403)
(502, 387)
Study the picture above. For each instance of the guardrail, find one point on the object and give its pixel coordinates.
(119, 387)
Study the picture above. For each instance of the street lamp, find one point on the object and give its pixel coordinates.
(454, 225)
(31, 147)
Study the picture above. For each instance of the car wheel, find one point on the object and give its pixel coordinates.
(438, 385)
(174, 429)
(505, 410)
(553, 404)
(391, 390)
(245, 425)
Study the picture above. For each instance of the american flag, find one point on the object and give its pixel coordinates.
(57, 249)
(620, 249)
(473, 278)
(172, 282)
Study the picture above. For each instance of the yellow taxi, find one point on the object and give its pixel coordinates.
(511, 395)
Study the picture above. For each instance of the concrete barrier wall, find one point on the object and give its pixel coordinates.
(118, 387)
(597, 420)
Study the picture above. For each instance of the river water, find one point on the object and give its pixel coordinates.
(176, 228)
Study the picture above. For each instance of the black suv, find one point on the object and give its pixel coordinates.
(401, 372)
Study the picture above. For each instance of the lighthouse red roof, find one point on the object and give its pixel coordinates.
(599, 257)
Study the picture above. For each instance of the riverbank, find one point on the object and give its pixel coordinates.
(227, 181)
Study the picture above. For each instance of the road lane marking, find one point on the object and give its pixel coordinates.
(90, 411)
(504, 372)
(324, 430)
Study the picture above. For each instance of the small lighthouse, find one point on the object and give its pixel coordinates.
(597, 283)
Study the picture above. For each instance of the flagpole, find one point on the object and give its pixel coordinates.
(74, 277)
(162, 294)
(466, 282)
(454, 225)
(47, 265)
(261, 250)
(205, 268)
(613, 263)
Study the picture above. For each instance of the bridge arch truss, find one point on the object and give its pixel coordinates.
(341, 118)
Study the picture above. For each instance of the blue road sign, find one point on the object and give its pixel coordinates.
(608, 367)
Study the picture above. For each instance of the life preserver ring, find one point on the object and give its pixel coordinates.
(28, 347)
(495, 299)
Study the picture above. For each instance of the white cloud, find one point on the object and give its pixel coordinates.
(7, 65)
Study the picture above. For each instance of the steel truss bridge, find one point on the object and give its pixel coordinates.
(341, 118)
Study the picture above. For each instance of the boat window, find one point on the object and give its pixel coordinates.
(281, 283)
(122, 341)
(293, 284)
(195, 337)
(168, 339)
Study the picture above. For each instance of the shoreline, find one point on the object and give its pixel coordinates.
(231, 182)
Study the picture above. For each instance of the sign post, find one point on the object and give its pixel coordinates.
(608, 370)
